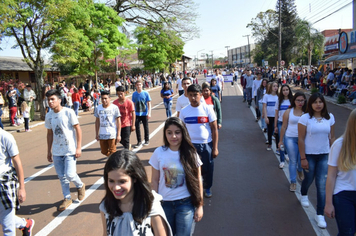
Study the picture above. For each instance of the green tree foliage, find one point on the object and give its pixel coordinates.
(309, 40)
(98, 38)
(289, 18)
(264, 24)
(158, 47)
(178, 15)
(35, 25)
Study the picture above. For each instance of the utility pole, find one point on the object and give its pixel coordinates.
(249, 51)
(279, 38)
(227, 54)
(212, 60)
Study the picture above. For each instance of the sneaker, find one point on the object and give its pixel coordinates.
(269, 148)
(65, 204)
(304, 201)
(27, 230)
(81, 192)
(264, 130)
(244, 100)
(138, 144)
(281, 165)
(266, 142)
(292, 187)
(300, 175)
(320, 220)
(277, 153)
(29, 130)
(146, 143)
(208, 193)
(286, 157)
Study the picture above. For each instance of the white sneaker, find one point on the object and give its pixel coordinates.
(320, 220)
(304, 201)
(281, 165)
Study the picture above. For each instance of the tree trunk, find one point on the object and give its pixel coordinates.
(39, 69)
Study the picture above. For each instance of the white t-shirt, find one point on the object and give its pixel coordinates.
(292, 128)
(317, 134)
(284, 106)
(172, 184)
(270, 100)
(26, 113)
(183, 101)
(179, 82)
(197, 120)
(344, 180)
(256, 84)
(108, 117)
(61, 123)
(219, 80)
(8, 149)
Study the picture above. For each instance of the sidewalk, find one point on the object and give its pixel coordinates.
(332, 100)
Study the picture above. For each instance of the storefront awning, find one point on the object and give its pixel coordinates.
(341, 57)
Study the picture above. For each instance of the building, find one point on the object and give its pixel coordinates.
(241, 56)
(17, 69)
(340, 49)
(184, 64)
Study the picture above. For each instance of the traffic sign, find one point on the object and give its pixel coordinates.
(283, 63)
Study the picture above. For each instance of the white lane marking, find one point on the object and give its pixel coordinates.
(310, 211)
(28, 179)
(63, 215)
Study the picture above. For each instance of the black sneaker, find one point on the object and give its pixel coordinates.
(27, 230)
(138, 144)
(146, 143)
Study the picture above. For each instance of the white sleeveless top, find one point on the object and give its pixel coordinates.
(292, 129)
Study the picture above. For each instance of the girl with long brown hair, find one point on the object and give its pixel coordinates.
(176, 175)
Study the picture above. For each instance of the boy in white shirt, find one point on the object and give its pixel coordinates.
(107, 125)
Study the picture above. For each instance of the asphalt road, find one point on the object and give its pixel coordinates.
(250, 193)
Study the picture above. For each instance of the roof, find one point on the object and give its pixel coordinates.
(18, 64)
(341, 57)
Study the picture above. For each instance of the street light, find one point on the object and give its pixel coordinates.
(248, 41)
(227, 54)
(196, 62)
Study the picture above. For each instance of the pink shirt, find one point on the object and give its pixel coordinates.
(126, 110)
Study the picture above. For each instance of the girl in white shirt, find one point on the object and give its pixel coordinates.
(269, 101)
(289, 137)
(284, 100)
(341, 180)
(176, 176)
(315, 136)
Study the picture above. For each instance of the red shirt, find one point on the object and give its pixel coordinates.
(75, 97)
(81, 92)
(126, 110)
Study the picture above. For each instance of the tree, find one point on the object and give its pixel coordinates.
(34, 25)
(289, 20)
(309, 39)
(158, 47)
(100, 39)
(263, 24)
(177, 15)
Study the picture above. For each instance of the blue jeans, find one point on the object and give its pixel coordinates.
(168, 106)
(281, 154)
(249, 95)
(76, 107)
(345, 212)
(67, 172)
(207, 169)
(318, 169)
(180, 215)
(10, 221)
(291, 145)
(263, 123)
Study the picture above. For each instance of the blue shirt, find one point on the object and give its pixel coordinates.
(140, 100)
(167, 93)
(215, 89)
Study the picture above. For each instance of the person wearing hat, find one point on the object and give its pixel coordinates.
(29, 96)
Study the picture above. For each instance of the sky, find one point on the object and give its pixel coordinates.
(223, 23)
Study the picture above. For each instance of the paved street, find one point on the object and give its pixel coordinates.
(250, 193)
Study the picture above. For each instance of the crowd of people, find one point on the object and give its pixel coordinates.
(183, 167)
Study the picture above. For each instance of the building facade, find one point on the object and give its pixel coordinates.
(241, 56)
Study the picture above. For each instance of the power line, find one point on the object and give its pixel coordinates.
(333, 12)
(313, 6)
(322, 12)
